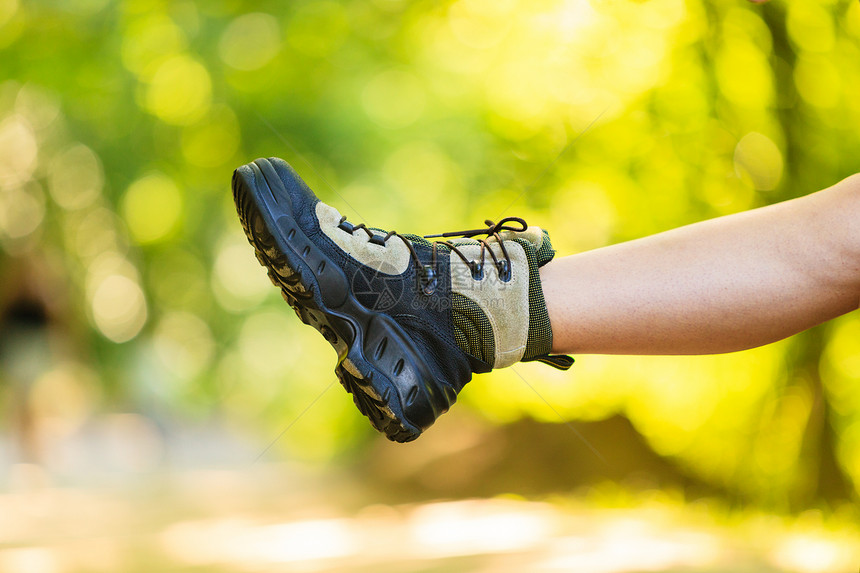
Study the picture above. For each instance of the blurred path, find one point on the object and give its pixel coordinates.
(280, 518)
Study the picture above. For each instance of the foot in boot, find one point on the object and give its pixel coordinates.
(410, 319)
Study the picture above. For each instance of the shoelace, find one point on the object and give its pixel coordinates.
(428, 272)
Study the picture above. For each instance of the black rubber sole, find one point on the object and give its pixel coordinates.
(377, 362)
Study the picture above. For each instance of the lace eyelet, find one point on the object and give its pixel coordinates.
(377, 240)
(504, 271)
(346, 226)
(429, 280)
(477, 271)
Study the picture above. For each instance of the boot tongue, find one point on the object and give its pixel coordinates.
(537, 238)
(533, 234)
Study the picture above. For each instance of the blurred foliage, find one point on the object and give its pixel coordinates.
(602, 121)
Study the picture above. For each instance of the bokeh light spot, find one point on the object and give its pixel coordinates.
(587, 206)
(394, 99)
(758, 159)
(7, 10)
(18, 151)
(180, 92)
(118, 308)
(514, 91)
(266, 344)
(40, 107)
(318, 29)
(21, 210)
(423, 174)
(93, 232)
(86, 7)
(480, 24)
(250, 41)
(66, 395)
(818, 81)
(76, 177)
(178, 279)
(239, 282)
(183, 343)
(212, 141)
(811, 554)
(744, 75)
(149, 41)
(810, 26)
(31, 560)
(419, 169)
(152, 207)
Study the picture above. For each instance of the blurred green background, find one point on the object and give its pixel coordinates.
(140, 339)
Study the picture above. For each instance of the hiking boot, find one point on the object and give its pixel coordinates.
(410, 319)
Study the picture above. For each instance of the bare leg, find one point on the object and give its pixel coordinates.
(717, 286)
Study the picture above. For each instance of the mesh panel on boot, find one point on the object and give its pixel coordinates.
(472, 329)
(546, 252)
(540, 333)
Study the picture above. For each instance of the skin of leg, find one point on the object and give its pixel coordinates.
(717, 286)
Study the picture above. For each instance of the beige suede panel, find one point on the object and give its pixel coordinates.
(533, 234)
(505, 304)
(392, 258)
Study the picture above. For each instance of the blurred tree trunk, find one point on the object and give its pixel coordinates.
(24, 357)
(33, 339)
(820, 477)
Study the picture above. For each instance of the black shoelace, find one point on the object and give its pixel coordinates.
(428, 278)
